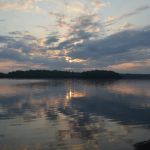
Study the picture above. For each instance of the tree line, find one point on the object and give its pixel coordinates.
(46, 74)
(94, 74)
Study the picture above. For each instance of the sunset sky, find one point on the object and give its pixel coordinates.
(75, 35)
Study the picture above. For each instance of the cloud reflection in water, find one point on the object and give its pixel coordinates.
(73, 114)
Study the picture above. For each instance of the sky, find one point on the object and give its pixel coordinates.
(75, 35)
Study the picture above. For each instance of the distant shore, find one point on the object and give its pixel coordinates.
(48, 74)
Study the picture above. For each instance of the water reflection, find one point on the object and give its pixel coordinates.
(73, 114)
(139, 89)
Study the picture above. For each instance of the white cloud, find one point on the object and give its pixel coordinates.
(21, 5)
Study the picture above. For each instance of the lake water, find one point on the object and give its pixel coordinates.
(73, 114)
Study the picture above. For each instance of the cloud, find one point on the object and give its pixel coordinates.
(51, 40)
(24, 43)
(75, 7)
(117, 43)
(82, 28)
(122, 47)
(17, 4)
(21, 5)
(2, 20)
(11, 54)
(15, 33)
(111, 20)
(26, 51)
(126, 26)
(5, 39)
(7, 65)
(121, 51)
(78, 17)
(18, 48)
(78, 38)
(99, 4)
(135, 12)
(133, 66)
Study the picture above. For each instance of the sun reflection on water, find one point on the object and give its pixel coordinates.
(73, 94)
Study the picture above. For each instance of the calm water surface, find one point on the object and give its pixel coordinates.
(73, 114)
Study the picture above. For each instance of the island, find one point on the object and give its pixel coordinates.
(48, 74)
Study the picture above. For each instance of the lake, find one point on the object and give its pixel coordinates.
(73, 114)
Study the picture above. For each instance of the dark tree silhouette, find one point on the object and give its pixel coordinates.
(46, 74)
(94, 74)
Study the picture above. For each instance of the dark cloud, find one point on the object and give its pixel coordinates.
(58, 64)
(51, 39)
(121, 47)
(67, 44)
(20, 49)
(6, 39)
(17, 48)
(117, 43)
(25, 43)
(86, 27)
(15, 33)
(11, 54)
(129, 45)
